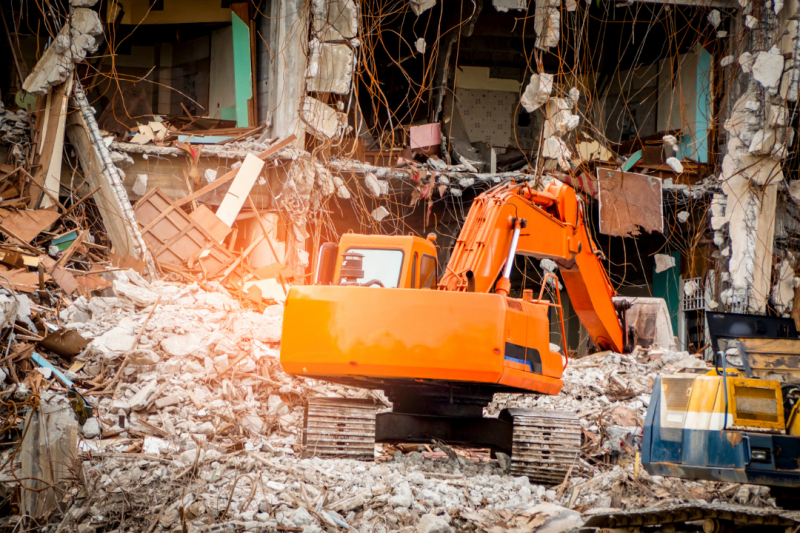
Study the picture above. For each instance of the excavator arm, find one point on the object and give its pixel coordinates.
(512, 218)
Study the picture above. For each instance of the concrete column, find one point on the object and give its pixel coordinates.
(288, 45)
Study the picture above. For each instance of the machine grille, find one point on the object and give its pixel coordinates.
(676, 393)
(756, 403)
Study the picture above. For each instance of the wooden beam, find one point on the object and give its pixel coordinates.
(241, 257)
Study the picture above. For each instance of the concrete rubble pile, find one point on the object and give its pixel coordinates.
(15, 127)
(203, 432)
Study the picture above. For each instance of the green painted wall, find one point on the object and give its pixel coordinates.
(241, 68)
(666, 285)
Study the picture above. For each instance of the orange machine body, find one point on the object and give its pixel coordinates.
(367, 337)
(460, 339)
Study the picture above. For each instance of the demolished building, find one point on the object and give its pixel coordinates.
(170, 168)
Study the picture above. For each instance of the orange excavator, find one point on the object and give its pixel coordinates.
(377, 317)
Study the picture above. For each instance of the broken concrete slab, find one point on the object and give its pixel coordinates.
(321, 120)
(335, 20)
(503, 6)
(330, 68)
(114, 341)
(537, 92)
(70, 46)
(768, 69)
(46, 454)
(181, 345)
(138, 295)
(421, 6)
(140, 400)
(546, 23)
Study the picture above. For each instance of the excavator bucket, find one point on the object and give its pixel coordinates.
(648, 322)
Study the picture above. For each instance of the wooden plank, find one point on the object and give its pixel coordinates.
(206, 219)
(21, 280)
(244, 254)
(67, 255)
(24, 226)
(52, 179)
(240, 189)
(64, 279)
(51, 148)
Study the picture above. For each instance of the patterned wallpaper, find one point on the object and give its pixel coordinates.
(488, 115)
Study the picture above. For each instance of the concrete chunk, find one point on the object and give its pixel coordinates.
(768, 69)
(537, 92)
(140, 399)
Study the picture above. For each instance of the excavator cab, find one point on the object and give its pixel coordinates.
(389, 261)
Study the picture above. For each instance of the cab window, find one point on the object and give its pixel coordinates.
(414, 271)
(427, 272)
(381, 265)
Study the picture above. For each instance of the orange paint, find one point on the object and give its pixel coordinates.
(381, 335)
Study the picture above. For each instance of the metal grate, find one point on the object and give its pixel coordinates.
(696, 300)
(754, 403)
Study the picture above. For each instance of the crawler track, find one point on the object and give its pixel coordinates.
(545, 444)
(340, 427)
(711, 516)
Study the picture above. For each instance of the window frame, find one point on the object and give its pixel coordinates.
(435, 271)
(402, 260)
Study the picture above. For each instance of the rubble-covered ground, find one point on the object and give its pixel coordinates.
(201, 431)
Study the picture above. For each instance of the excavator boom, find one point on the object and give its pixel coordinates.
(555, 229)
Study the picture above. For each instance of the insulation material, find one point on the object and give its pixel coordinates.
(629, 202)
